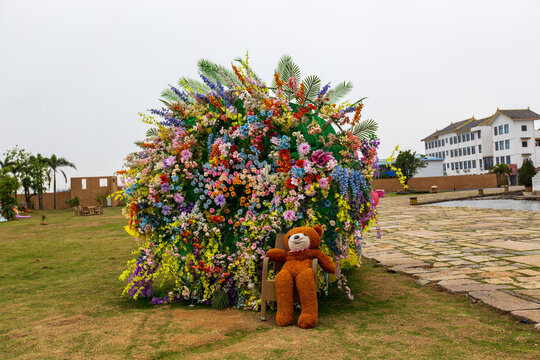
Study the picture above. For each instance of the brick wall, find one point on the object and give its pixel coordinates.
(48, 200)
(443, 182)
(87, 197)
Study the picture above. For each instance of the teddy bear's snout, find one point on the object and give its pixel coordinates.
(296, 237)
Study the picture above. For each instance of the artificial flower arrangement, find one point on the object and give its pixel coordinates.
(229, 163)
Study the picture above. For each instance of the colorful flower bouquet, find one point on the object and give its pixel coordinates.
(231, 163)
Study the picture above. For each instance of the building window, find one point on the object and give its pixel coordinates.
(463, 137)
(501, 145)
(523, 127)
(446, 140)
(460, 152)
(507, 144)
(508, 159)
(455, 140)
(502, 159)
(500, 129)
(538, 142)
(479, 149)
(474, 164)
(461, 165)
(451, 141)
(479, 134)
(480, 164)
(102, 182)
(468, 137)
(506, 129)
(495, 129)
(446, 152)
(469, 163)
(472, 136)
(452, 166)
(83, 184)
(497, 160)
(496, 146)
(468, 150)
(473, 149)
(524, 144)
(426, 146)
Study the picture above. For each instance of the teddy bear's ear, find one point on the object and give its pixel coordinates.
(318, 229)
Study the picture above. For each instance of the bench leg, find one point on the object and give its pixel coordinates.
(263, 310)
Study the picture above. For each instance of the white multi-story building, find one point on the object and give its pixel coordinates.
(472, 146)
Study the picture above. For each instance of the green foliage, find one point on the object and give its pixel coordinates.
(313, 85)
(526, 172)
(499, 169)
(102, 199)
(73, 202)
(409, 163)
(220, 300)
(151, 132)
(365, 129)
(8, 191)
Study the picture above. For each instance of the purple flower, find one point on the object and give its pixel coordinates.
(166, 210)
(304, 148)
(289, 215)
(320, 157)
(220, 200)
(165, 187)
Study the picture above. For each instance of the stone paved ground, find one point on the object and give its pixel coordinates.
(491, 255)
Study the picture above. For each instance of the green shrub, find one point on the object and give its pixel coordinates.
(526, 172)
(73, 202)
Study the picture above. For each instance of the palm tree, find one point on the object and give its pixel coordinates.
(55, 163)
(502, 171)
(39, 174)
(7, 165)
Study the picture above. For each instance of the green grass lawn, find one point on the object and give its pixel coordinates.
(60, 299)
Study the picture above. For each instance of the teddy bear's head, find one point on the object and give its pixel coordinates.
(302, 238)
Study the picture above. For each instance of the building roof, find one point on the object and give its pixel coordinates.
(520, 114)
(449, 128)
(468, 126)
(465, 125)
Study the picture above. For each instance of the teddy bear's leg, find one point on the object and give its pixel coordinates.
(285, 298)
(305, 283)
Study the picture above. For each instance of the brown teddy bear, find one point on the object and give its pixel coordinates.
(302, 244)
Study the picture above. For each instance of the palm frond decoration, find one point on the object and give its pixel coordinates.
(151, 132)
(339, 91)
(220, 300)
(169, 95)
(365, 129)
(195, 85)
(216, 72)
(313, 85)
(137, 143)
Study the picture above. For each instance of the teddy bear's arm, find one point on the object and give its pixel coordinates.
(277, 255)
(325, 261)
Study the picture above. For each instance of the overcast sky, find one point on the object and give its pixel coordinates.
(74, 74)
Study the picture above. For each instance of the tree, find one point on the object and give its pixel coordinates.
(6, 165)
(409, 163)
(38, 169)
(526, 172)
(501, 170)
(55, 163)
(20, 167)
(8, 195)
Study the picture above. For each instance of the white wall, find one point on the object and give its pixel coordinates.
(434, 168)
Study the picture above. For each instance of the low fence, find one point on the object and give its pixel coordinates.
(459, 182)
(48, 200)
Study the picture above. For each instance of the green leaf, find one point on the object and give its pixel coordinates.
(313, 85)
(365, 129)
(340, 91)
(169, 95)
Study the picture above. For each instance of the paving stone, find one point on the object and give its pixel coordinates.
(477, 286)
(514, 245)
(503, 301)
(528, 272)
(432, 276)
(528, 315)
(502, 280)
(533, 260)
(478, 258)
(534, 293)
(422, 282)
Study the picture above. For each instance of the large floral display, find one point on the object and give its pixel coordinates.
(229, 163)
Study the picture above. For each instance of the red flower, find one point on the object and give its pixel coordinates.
(300, 163)
(164, 178)
(289, 185)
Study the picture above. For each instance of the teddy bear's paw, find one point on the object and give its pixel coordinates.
(283, 320)
(307, 321)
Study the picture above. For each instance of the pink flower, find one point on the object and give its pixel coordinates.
(304, 148)
(289, 215)
(320, 157)
(186, 155)
(178, 198)
(323, 183)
